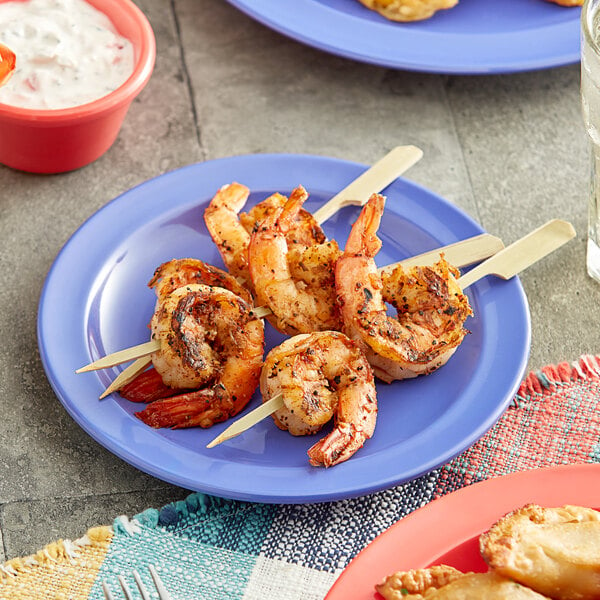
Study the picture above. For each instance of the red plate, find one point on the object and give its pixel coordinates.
(447, 530)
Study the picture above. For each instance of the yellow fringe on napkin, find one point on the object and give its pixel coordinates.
(63, 570)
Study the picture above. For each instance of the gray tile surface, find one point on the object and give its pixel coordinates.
(508, 149)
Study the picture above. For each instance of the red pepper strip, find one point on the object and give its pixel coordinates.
(8, 61)
(147, 387)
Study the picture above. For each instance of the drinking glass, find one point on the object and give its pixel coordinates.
(590, 100)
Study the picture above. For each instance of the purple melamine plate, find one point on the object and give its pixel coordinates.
(95, 301)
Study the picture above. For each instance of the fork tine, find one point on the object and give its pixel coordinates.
(162, 592)
(107, 593)
(125, 588)
(158, 584)
(141, 586)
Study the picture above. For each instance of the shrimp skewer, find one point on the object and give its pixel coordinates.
(209, 340)
(432, 307)
(505, 264)
(231, 230)
(137, 384)
(460, 254)
(322, 376)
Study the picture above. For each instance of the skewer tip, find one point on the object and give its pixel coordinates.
(218, 440)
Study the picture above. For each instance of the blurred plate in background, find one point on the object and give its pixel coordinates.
(474, 37)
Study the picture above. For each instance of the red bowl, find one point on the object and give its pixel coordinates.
(55, 141)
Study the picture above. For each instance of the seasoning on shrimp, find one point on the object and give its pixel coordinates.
(304, 232)
(431, 306)
(231, 230)
(209, 340)
(149, 385)
(183, 271)
(296, 284)
(322, 375)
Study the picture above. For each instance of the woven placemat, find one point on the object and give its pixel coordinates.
(210, 548)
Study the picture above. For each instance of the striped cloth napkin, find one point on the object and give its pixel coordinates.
(208, 548)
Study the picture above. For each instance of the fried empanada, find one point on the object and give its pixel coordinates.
(555, 551)
(446, 583)
(408, 10)
(568, 2)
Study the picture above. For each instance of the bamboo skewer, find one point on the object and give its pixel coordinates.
(116, 358)
(522, 253)
(459, 254)
(127, 375)
(505, 264)
(374, 179)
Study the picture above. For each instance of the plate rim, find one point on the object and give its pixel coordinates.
(282, 496)
(490, 499)
(315, 25)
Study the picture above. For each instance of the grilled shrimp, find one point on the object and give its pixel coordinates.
(296, 284)
(304, 232)
(231, 230)
(431, 306)
(184, 271)
(221, 218)
(209, 340)
(169, 276)
(322, 375)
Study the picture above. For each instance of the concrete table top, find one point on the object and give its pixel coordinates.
(508, 149)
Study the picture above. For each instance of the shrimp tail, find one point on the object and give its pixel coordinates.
(233, 196)
(147, 387)
(291, 209)
(222, 221)
(201, 408)
(363, 238)
(338, 446)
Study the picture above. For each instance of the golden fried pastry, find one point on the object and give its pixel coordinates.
(414, 583)
(418, 10)
(555, 551)
(408, 10)
(446, 583)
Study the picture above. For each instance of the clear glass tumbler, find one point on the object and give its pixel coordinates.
(590, 100)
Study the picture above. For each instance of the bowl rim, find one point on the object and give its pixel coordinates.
(121, 96)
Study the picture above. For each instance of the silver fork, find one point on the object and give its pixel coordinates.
(158, 584)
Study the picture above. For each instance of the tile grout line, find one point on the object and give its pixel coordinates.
(188, 80)
(3, 551)
(445, 84)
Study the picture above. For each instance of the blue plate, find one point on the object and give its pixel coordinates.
(95, 301)
(474, 37)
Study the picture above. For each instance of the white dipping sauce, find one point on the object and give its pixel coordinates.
(68, 53)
